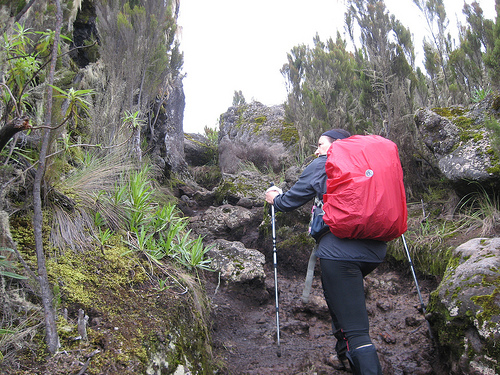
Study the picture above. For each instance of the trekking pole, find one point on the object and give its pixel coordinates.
(275, 261)
(422, 305)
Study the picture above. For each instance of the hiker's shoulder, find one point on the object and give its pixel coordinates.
(318, 162)
(315, 168)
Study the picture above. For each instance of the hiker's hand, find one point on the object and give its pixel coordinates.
(272, 193)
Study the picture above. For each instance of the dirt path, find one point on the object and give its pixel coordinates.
(245, 331)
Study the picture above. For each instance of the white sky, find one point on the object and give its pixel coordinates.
(232, 45)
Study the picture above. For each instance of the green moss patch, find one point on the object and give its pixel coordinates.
(134, 326)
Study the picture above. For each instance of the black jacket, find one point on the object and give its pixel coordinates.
(311, 183)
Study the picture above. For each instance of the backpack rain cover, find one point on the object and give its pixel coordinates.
(365, 196)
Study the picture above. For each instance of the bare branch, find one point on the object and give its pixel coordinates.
(18, 113)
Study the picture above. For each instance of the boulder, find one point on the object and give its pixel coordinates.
(462, 142)
(256, 134)
(246, 188)
(465, 308)
(241, 269)
(227, 222)
(439, 133)
(236, 263)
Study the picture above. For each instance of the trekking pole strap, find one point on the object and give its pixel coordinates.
(309, 276)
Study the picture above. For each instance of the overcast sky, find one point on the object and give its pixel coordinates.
(232, 45)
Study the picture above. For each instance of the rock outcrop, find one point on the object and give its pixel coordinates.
(167, 136)
(257, 134)
(198, 151)
(465, 147)
(465, 309)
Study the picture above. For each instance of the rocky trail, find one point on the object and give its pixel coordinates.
(244, 329)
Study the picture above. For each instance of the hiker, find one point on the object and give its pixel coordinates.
(344, 264)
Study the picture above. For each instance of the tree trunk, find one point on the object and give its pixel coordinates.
(52, 338)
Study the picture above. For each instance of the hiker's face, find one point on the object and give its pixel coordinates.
(323, 146)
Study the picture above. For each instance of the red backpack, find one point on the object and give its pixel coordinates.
(365, 196)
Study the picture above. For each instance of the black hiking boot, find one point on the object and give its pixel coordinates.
(365, 361)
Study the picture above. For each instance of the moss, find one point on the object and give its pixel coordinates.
(240, 111)
(490, 303)
(128, 335)
(287, 134)
(463, 122)
(478, 137)
(448, 331)
(82, 276)
(230, 189)
(65, 78)
(494, 161)
(296, 242)
(260, 120)
(190, 338)
(470, 129)
(22, 234)
(449, 111)
(223, 190)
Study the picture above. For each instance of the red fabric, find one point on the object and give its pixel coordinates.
(356, 204)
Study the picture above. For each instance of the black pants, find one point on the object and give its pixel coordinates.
(344, 293)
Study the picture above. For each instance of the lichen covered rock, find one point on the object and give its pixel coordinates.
(465, 309)
(227, 221)
(462, 141)
(257, 134)
(236, 263)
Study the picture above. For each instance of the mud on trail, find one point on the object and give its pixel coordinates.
(244, 328)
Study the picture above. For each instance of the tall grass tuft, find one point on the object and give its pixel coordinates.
(482, 210)
(427, 245)
(84, 191)
(106, 196)
(431, 239)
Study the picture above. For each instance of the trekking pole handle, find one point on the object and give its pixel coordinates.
(273, 222)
